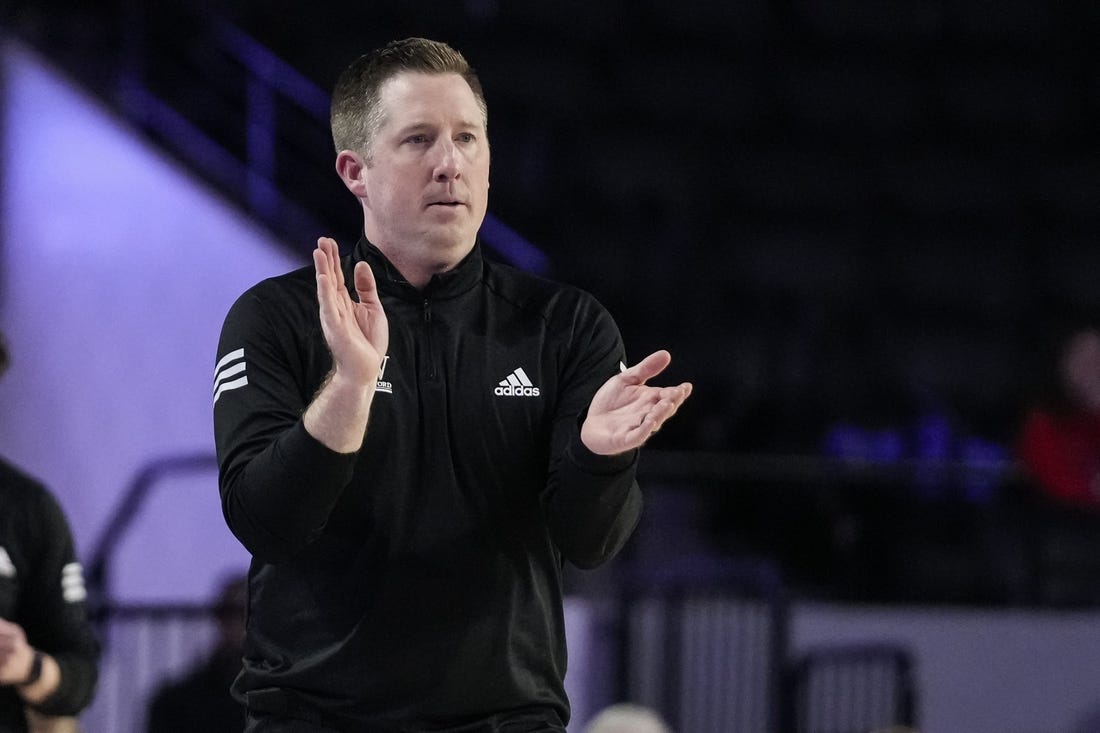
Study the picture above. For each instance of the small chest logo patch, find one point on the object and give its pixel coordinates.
(382, 385)
(516, 384)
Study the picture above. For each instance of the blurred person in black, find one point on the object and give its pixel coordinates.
(200, 700)
(407, 569)
(49, 652)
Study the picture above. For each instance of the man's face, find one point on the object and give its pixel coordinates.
(427, 180)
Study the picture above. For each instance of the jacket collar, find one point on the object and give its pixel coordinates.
(390, 281)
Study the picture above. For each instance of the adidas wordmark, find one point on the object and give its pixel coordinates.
(516, 384)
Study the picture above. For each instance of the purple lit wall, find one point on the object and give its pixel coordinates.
(116, 268)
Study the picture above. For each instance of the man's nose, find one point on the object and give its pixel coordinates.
(448, 164)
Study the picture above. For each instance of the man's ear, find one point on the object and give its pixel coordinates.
(352, 170)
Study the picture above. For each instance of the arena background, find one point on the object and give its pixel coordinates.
(856, 226)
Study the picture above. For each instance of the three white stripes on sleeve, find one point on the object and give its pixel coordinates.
(229, 373)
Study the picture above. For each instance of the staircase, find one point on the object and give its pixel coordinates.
(252, 126)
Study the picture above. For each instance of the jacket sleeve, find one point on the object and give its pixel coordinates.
(54, 613)
(592, 502)
(278, 484)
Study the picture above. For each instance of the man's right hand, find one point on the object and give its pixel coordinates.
(357, 335)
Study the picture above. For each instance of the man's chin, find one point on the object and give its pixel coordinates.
(452, 247)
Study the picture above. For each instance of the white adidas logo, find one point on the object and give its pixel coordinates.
(517, 384)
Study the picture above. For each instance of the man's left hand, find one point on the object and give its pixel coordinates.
(626, 411)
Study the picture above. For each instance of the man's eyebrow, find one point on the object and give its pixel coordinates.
(471, 124)
(415, 127)
(466, 122)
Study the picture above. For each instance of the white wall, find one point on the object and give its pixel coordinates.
(978, 671)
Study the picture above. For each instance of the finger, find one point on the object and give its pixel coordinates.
(332, 254)
(676, 394)
(325, 286)
(329, 287)
(648, 367)
(365, 284)
(666, 407)
(322, 259)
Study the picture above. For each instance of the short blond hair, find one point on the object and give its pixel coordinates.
(357, 115)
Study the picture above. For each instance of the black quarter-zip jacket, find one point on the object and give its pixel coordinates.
(417, 584)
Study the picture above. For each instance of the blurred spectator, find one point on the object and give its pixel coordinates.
(1059, 444)
(49, 652)
(627, 718)
(201, 700)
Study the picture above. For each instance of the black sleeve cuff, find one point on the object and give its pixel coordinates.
(309, 458)
(597, 464)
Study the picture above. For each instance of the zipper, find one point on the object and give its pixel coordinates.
(427, 310)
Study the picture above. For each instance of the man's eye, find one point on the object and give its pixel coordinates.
(417, 139)
(466, 137)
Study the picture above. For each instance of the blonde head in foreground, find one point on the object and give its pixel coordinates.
(627, 718)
